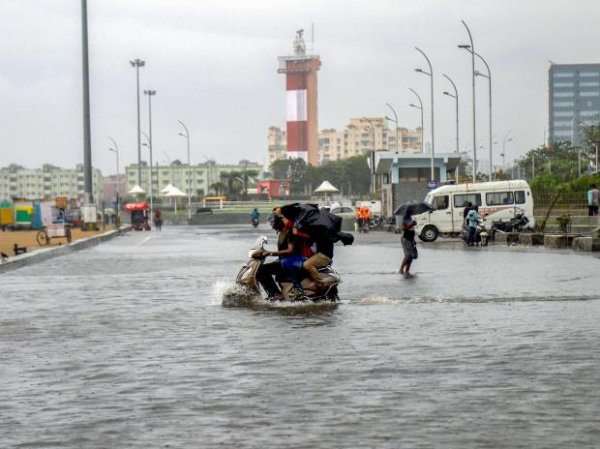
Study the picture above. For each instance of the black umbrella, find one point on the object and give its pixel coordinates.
(311, 219)
(414, 207)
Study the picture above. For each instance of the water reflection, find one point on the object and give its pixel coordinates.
(129, 344)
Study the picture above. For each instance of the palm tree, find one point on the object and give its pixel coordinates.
(217, 187)
(246, 175)
(233, 181)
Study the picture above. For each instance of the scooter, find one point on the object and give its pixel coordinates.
(515, 224)
(482, 236)
(255, 222)
(246, 279)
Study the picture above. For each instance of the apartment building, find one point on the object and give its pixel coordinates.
(197, 181)
(46, 183)
(360, 136)
(573, 100)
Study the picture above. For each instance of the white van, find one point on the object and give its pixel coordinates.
(497, 201)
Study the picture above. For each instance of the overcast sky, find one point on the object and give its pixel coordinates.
(214, 66)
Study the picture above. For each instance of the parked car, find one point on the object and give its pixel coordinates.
(204, 210)
(344, 211)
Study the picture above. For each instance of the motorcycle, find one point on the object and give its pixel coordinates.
(482, 236)
(515, 224)
(247, 282)
(255, 222)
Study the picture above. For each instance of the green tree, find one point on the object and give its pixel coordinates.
(233, 183)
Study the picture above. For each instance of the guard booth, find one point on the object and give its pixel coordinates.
(139, 215)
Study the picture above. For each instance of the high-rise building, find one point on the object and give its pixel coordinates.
(302, 115)
(573, 100)
(360, 136)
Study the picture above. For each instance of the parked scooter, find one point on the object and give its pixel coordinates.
(246, 278)
(515, 224)
(482, 236)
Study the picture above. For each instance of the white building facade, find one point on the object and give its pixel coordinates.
(46, 183)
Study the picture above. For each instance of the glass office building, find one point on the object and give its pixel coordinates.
(574, 100)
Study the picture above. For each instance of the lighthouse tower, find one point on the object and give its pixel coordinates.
(301, 86)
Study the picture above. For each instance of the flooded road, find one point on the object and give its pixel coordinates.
(128, 345)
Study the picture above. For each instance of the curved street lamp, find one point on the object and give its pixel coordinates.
(504, 141)
(116, 151)
(149, 146)
(395, 121)
(472, 47)
(189, 190)
(150, 94)
(137, 63)
(430, 74)
(455, 96)
(421, 108)
(489, 77)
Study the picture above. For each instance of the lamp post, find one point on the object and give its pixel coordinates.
(395, 121)
(506, 139)
(149, 145)
(187, 137)
(373, 181)
(430, 74)
(575, 121)
(472, 46)
(116, 151)
(150, 94)
(489, 78)
(137, 63)
(421, 108)
(87, 140)
(455, 96)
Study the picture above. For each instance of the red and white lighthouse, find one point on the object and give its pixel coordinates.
(302, 114)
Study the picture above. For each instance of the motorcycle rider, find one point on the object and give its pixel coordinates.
(269, 271)
(466, 211)
(472, 218)
(292, 250)
(255, 216)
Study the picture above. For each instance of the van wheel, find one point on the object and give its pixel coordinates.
(429, 234)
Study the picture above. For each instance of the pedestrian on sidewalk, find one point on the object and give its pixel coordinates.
(593, 197)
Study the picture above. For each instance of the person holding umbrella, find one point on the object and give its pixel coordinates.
(409, 246)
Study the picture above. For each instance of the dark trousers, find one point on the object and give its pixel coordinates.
(471, 238)
(266, 275)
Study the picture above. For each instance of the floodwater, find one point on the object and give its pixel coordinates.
(128, 345)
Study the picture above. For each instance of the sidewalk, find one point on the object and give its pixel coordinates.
(28, 239)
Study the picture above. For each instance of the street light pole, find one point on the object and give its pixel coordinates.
(474, 120)
(150, 94)
(396, 123)
(430, 74)
(506, 139)
(187, 137)
(373, 180)
(116, 151)
(137, 63)
(455, 96)
(149, 145)
(489, 77)
(87, 140)
(421, 108)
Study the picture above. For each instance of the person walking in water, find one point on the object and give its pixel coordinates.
(409, 246)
